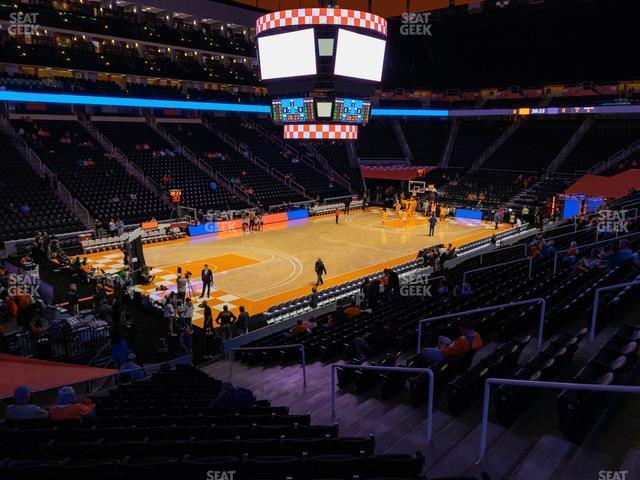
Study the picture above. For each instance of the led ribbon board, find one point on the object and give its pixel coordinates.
(321, 16)
(130, 102)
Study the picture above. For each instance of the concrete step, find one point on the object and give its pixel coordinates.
(547, 454)
(464, 455)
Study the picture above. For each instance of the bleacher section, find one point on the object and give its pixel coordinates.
(473, 138)
(534, 145)
(377, 140)
(28, 202)
(68, 149)
(336, 155)
(180, 422)
(314, 182)
(157, 159)
(604, 138)
(222, 158)
(426, 140)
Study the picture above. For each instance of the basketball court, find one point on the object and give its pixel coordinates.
(260, 269)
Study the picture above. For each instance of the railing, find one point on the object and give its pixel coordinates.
(502, 249)
(298, 346)
(494, 146)
(464, 274)
(491, 308)
(596, 303)
(535, 384)
(389, 369)
(616, 157)
(568, 148)
(555, 258)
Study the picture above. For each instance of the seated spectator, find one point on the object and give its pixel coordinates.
(447, 348)
(352, 310)
(622, 255)
(132, 369)
(22, 409)
(68, 409)
(298, 329)
(310, 323)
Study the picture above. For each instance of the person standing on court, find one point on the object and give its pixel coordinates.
(432, 223)
(320, 270)
(337, 215)
(224, 319)
(207, 280)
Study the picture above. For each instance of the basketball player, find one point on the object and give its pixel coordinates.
(337, 215)
(320, 270)
(384, 214)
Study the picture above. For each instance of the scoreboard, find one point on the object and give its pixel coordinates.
(307, 110)
(349, 110)
(293, 110)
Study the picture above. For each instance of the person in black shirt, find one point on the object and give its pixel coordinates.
(224, 319)
(320, 270)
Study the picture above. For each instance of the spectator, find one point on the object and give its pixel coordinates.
(314, 298)
(68, 409)
(352, 310)
(447, 348)
(242, 324)
(72, 297)
(132, 369)
(22, 409)
(298, 329)
(224, 319)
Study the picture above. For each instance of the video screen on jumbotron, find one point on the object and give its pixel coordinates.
(291, 54)
(351, 110)
(288, 110)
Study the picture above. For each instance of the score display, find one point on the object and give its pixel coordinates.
(297, 110)
(350, 110)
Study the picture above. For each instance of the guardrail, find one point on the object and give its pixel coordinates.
(596, 302)
(535, 384)
(491, 308)
(502, 249)
(555, 258)
(464, 274)
(389, 369)
(298, 346)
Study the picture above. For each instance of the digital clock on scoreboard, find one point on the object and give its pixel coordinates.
(350, 110)
(293, 110)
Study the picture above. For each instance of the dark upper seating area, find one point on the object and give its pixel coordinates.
(604, 138)
(534, 145)
(426, 140)
(473, 138)
(313, 181)
(168, 169)
(336, 155)
(377, 140)
(203, 142)
(123, 23)
(82, 164)
(28, 202)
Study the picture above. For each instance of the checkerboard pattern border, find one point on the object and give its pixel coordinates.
(321, 16)
(316, 131)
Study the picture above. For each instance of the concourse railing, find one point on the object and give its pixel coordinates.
(519, 303)
(596, 303)
(389, 369)
(535, 384)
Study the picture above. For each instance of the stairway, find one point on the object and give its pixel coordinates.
(495, 146)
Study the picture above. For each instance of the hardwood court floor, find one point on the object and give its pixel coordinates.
(261, 269)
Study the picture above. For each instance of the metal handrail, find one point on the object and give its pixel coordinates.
(389, 369)
(491, 308)
(298, 346)
(596, 302)
(502, 249)
(464, 274)
(535, 384)
(555, 258)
